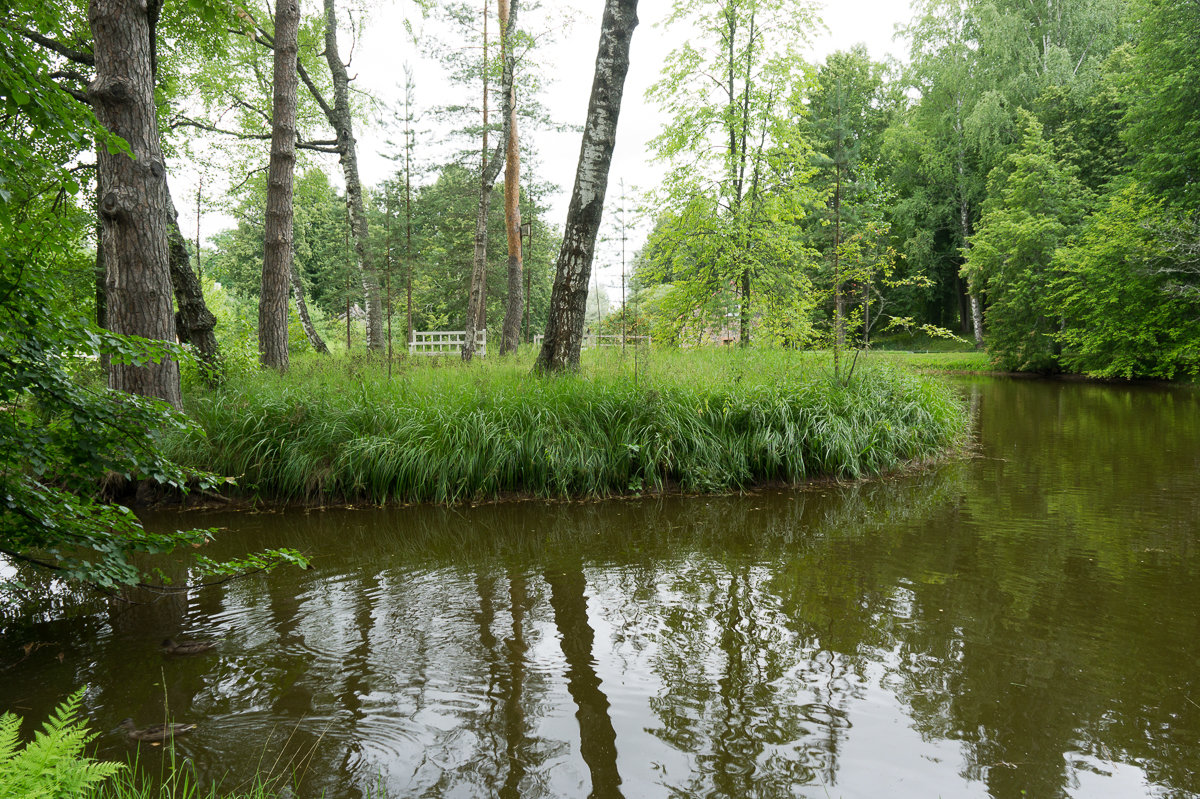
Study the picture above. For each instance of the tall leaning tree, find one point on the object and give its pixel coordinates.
(277, 260)
(568, 300)
(341, 119)
(133, 191)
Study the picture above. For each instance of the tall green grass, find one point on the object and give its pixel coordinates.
(441, 431)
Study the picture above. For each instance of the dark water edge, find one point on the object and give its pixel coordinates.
(1023, 622)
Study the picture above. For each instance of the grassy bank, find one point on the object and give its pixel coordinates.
(443, 432)
(949, 362)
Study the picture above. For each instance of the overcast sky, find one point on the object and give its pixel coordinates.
(380, 56)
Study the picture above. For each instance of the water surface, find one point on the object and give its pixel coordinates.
(1022, 622)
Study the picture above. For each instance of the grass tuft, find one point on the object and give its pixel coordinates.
(440, 431)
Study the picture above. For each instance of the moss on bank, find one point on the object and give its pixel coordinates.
(441, 431)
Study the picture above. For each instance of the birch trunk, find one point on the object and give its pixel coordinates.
(310, 330)
(133, 193)
(277, 261)
(564, 326)
(514, 306)
(964, 215)
(343, 124)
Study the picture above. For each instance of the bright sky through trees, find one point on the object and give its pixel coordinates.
(379, 57)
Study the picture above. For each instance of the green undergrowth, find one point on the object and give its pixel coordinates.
(960, 361)
(441, 431)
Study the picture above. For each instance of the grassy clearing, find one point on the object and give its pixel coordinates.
(439, 431)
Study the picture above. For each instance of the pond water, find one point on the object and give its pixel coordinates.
(1021, 622)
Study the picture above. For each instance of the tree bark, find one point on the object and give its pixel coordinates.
(277, 260)
(564, 326)
(194, 323)
(340, 118)
(133, 192)
(310, 330)
(514, 306)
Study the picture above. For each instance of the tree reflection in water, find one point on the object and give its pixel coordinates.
(1021, 622)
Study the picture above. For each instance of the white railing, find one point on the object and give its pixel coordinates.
(445, 342)
(590, 340)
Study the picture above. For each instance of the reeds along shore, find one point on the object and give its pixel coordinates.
(440, 431)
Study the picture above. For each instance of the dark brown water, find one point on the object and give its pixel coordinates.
(1022, 623)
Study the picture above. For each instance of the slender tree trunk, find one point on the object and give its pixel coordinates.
(277, 262)
(964, 214)
(133, 192)
(564, 326)
(489, 170)
(839, 299)
(99, 273)
(408, 253)
(964, 217)
(310, 330)
(512, 182)
(343, 124)
(476, 304)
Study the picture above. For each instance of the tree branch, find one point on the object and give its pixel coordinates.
(70, 53)
(312, 88)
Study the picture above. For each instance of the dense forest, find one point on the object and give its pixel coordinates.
(1024, 180)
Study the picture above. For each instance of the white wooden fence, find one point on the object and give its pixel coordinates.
(590, 341)
(445, 342)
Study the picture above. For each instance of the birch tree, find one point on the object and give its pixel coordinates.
(568, 300)
(725, 91)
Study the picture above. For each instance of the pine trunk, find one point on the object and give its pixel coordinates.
(568, 300)
(277, 261)
(343, 124)
(514, 306)
(133, 193)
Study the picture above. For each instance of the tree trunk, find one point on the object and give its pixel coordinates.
(512, 184)
(310, 330)
(133, 191)
(340, 118)
(99, 270)
(964, 215)
(194, 323)
(277, 261)
(564, 326)
(478, 287)
(489, 169)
